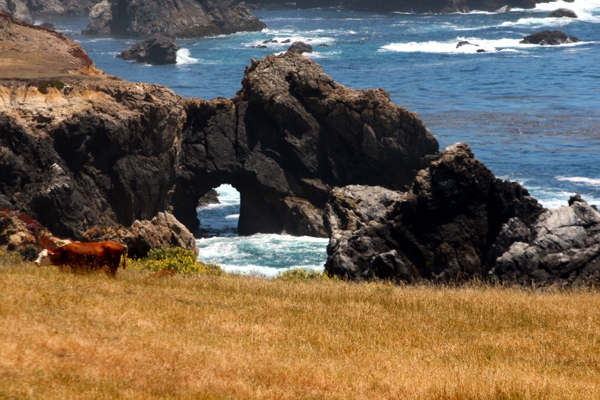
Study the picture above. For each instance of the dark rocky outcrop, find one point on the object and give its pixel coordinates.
(549, 38)
(442, 229)
(301, 47)
(157, 50)
(26, 10)
(84, 151)
(142, 236)
(562, 247)
(562, 12)
(290, 135)
(212, 197)
(96, 152)
(180, 18)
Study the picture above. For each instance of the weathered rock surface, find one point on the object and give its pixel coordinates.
(442, 229)
(26, 9)
(142, 236)
(290, 135)
(157, 49)
(562, 247)
(301, 47)
(549, 38)
(100, 19)
(181, 18)
(97, 151)
(81, 151)
(212, 197)
(562, 12)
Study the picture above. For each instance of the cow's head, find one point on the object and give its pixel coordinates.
(43, 259)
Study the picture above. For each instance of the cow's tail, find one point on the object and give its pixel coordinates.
(124, 261)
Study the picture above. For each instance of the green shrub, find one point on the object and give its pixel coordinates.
(175, 259)
(304, 274)
(58, 84)
(10, 257)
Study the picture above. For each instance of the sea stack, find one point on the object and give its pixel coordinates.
(156, 50)
(549, 38)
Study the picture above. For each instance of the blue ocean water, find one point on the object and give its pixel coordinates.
(530, 113)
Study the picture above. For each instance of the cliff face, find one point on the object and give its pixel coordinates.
(93, 152)
(26, 10)
(80, 150)
(78, 147)
(181, 18)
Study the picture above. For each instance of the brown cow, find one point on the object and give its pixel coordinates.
(89, 256)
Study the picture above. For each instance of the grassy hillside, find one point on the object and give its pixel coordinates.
(137, 336)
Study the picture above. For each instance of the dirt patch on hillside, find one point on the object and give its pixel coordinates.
(28, 51)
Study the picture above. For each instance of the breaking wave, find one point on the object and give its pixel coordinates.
(184, 57)
(449, 47)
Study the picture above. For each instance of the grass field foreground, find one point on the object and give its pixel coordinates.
(138, 336)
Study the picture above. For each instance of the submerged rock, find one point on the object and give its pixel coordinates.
(562, 12)
(181, 18)
(157, 50)
(465, 43)
(440, 230)
(549, 38)
(301, 47)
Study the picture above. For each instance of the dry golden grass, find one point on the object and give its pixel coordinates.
(90, 336)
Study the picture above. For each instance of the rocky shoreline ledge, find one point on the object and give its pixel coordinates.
(93, 157)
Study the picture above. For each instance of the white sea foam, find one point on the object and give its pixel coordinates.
(539, 22)
(579, 6)
(279, 46)
(184, 57)
(449, 47)
(267, 254)
(580, 179)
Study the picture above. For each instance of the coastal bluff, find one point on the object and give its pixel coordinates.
(91, 156)
(80, 148)
(176, 18)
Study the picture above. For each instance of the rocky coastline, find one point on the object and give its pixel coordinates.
(27, 10)
(92, 157)
(175, 18)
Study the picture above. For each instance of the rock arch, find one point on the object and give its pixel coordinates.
(290, 134)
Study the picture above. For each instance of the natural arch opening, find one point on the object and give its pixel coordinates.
(219, 212)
